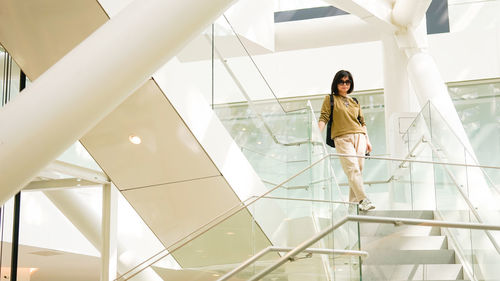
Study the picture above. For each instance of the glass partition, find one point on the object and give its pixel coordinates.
(245, 231)
(462, 193)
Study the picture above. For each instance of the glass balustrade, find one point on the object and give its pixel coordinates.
(244, 231)
(418, 185)
(462, 193)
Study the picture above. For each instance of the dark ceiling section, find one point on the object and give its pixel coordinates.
(437, 15)
(305, 14)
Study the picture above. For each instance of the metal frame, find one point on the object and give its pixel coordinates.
(414, 160)
(264, 251)
(357, 218)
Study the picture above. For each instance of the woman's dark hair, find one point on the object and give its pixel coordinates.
(338, 77)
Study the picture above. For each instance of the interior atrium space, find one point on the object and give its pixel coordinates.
(150, 140)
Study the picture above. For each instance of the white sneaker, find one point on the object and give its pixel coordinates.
(366, 205)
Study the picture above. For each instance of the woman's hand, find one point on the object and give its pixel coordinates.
(321, 125)
(368, 146)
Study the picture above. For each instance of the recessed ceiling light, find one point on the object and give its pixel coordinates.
(33, 269)
(230, 233)
(259, 142)
(215, 275)
(244, 129)
(134, 139)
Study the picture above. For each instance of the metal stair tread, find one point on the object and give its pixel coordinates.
(419, 214)
(404, 242)
(413, 272)
(387, 257)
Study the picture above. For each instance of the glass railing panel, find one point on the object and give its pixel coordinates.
(446, 146)
(451, 205)
(475, 182)
(236, 58)
(486, 258)
(214, 252)
(391, 189)
(306, 218)
(484, 193)
(268, 221)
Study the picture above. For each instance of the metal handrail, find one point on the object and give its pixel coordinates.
(370, 219)
(310, 200)
(414, 160)
(264, 251)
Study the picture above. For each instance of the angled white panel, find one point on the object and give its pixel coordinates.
(168, 152)
(175, 210)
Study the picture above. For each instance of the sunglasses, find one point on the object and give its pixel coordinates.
(346, 82)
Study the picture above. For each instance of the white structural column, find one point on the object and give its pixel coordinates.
(430, 86)
(92, 80)
(399, 99)
(109, 252)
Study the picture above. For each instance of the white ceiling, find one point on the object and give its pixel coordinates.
(52, 265)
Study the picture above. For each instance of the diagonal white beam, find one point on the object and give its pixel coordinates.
(89, 82)
(409, 12)
(376, 12)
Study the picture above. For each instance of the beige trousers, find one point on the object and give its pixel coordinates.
(354, 144)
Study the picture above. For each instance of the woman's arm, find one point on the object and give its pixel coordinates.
(368, 143)
(325, 113)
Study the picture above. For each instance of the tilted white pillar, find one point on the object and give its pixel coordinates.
(78, 212)
(92, 80)
(76, 209)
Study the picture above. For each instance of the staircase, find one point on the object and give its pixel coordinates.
(407, 252)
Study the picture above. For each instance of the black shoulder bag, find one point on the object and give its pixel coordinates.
(329, 139)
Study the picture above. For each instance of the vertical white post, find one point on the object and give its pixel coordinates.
(109, 253)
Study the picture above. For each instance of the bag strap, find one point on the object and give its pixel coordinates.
(331, 107)
(359, 117)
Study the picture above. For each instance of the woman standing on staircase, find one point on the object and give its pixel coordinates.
(348, 131)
